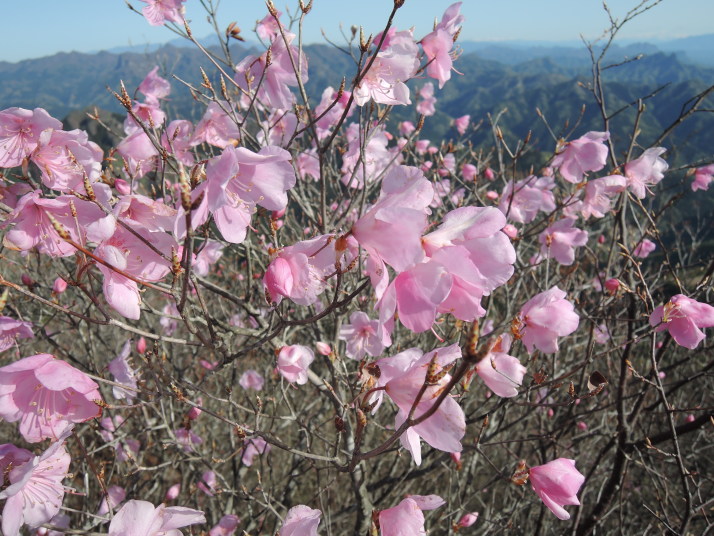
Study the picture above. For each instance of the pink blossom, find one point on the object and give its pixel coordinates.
(612, 285)
(522, 200)
(587, 153)
(404, 377)
(468, 519)
(11, 329)
(308, 165)
(702, 178)
(207, 257)
(396, 62)
(469, 172)
(544, 318)
(683, 317)
(114, 497)
(187, 438)
(301, 520)
(557, 484)
(218, 126)
(362, 335)
(437, 46)
(406, 127)
(208, 483)
(251, 379)
(46, 395)
(254, 447)
(124, 374)
(35, 491)
(427, 101)
(149, 113)
(330, 110)
(364, 162)
(173, 492)
(293, 362)
(226, 526)
(178, 139)
(323, 348)
(66, 159)
(560, 239)
(20, 131)
(142, 518)
(141, 345)
(139, 153)
(158, 12)
(599, 194)
(144, 212)
(502, 373)
(407, 518)
(462, 123)
(645, 171)
(644, 248)
(268, 27)
(59, 286)
(154, 87)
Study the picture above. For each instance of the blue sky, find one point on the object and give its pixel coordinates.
(42, 27)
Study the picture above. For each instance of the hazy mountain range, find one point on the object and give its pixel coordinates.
(516, 76)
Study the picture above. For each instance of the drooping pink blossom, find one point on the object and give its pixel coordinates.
(46, 395)
(577, 157)
(226, 526)
(502, 373)
(254, 447)
(301, 520)
(521, 201)
(645, 171)
(251, 379)
(557, 484)
(599, 194)
(404, 379)
(396, 62)
(293, 362)
(683, 318)
(124, 374)
(644, 248)
(158, 12)
(702, 178)
(35, 491)
(363, 336)
(141, 518)
(20, 131)
(544, 318)
(560, 239)
(11, 329)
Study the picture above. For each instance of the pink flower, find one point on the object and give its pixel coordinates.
(20, 131)
(142, 518)
(544, 318)
(153, 86)
(301, 520)
(403, 377)
(208, 483)
(644, 248)
(11, 329)
(427, 101)
(157, 12)
(226, 526)
(557, 484)
(114, 497)
(124, 374)
(587, 153)
(599, 194)
(396, 62)
(363, 336)
(186, 439)
(59, 286)
(437, 46)
(207, 257)
(468, 519)
(178, 139)
(251, 379)
(683, 317)
(323, 348)
(254, 447)
(46, 395)
(469, 172)
(293, 362)
(502, 373)
(218, 126)
(560, 239)
(702, 178)
(173, 492)
(407, 518)
(66, 158)
(35, 491)
(462, 123)
(645, 171)
(521, 201)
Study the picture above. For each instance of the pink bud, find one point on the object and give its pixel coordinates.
(469, 172)
(279, 223)
(601, 239)
(661, 375)
(489, 174)
(456, 457)
(551, 412)
(141, 345)
(173, 492)
(27, 280)
(659, 344)
(323, 348)
(690, 418)
(443, 172)
(59, 286)
(582, 425)
(510, 231)
(612, 285)
(468, 519)
(122, 186)
(432, 150)
(208, 365)
(277, 214)
(194, 412)
(492, 195)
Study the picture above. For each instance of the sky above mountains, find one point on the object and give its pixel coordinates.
(44, 27)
